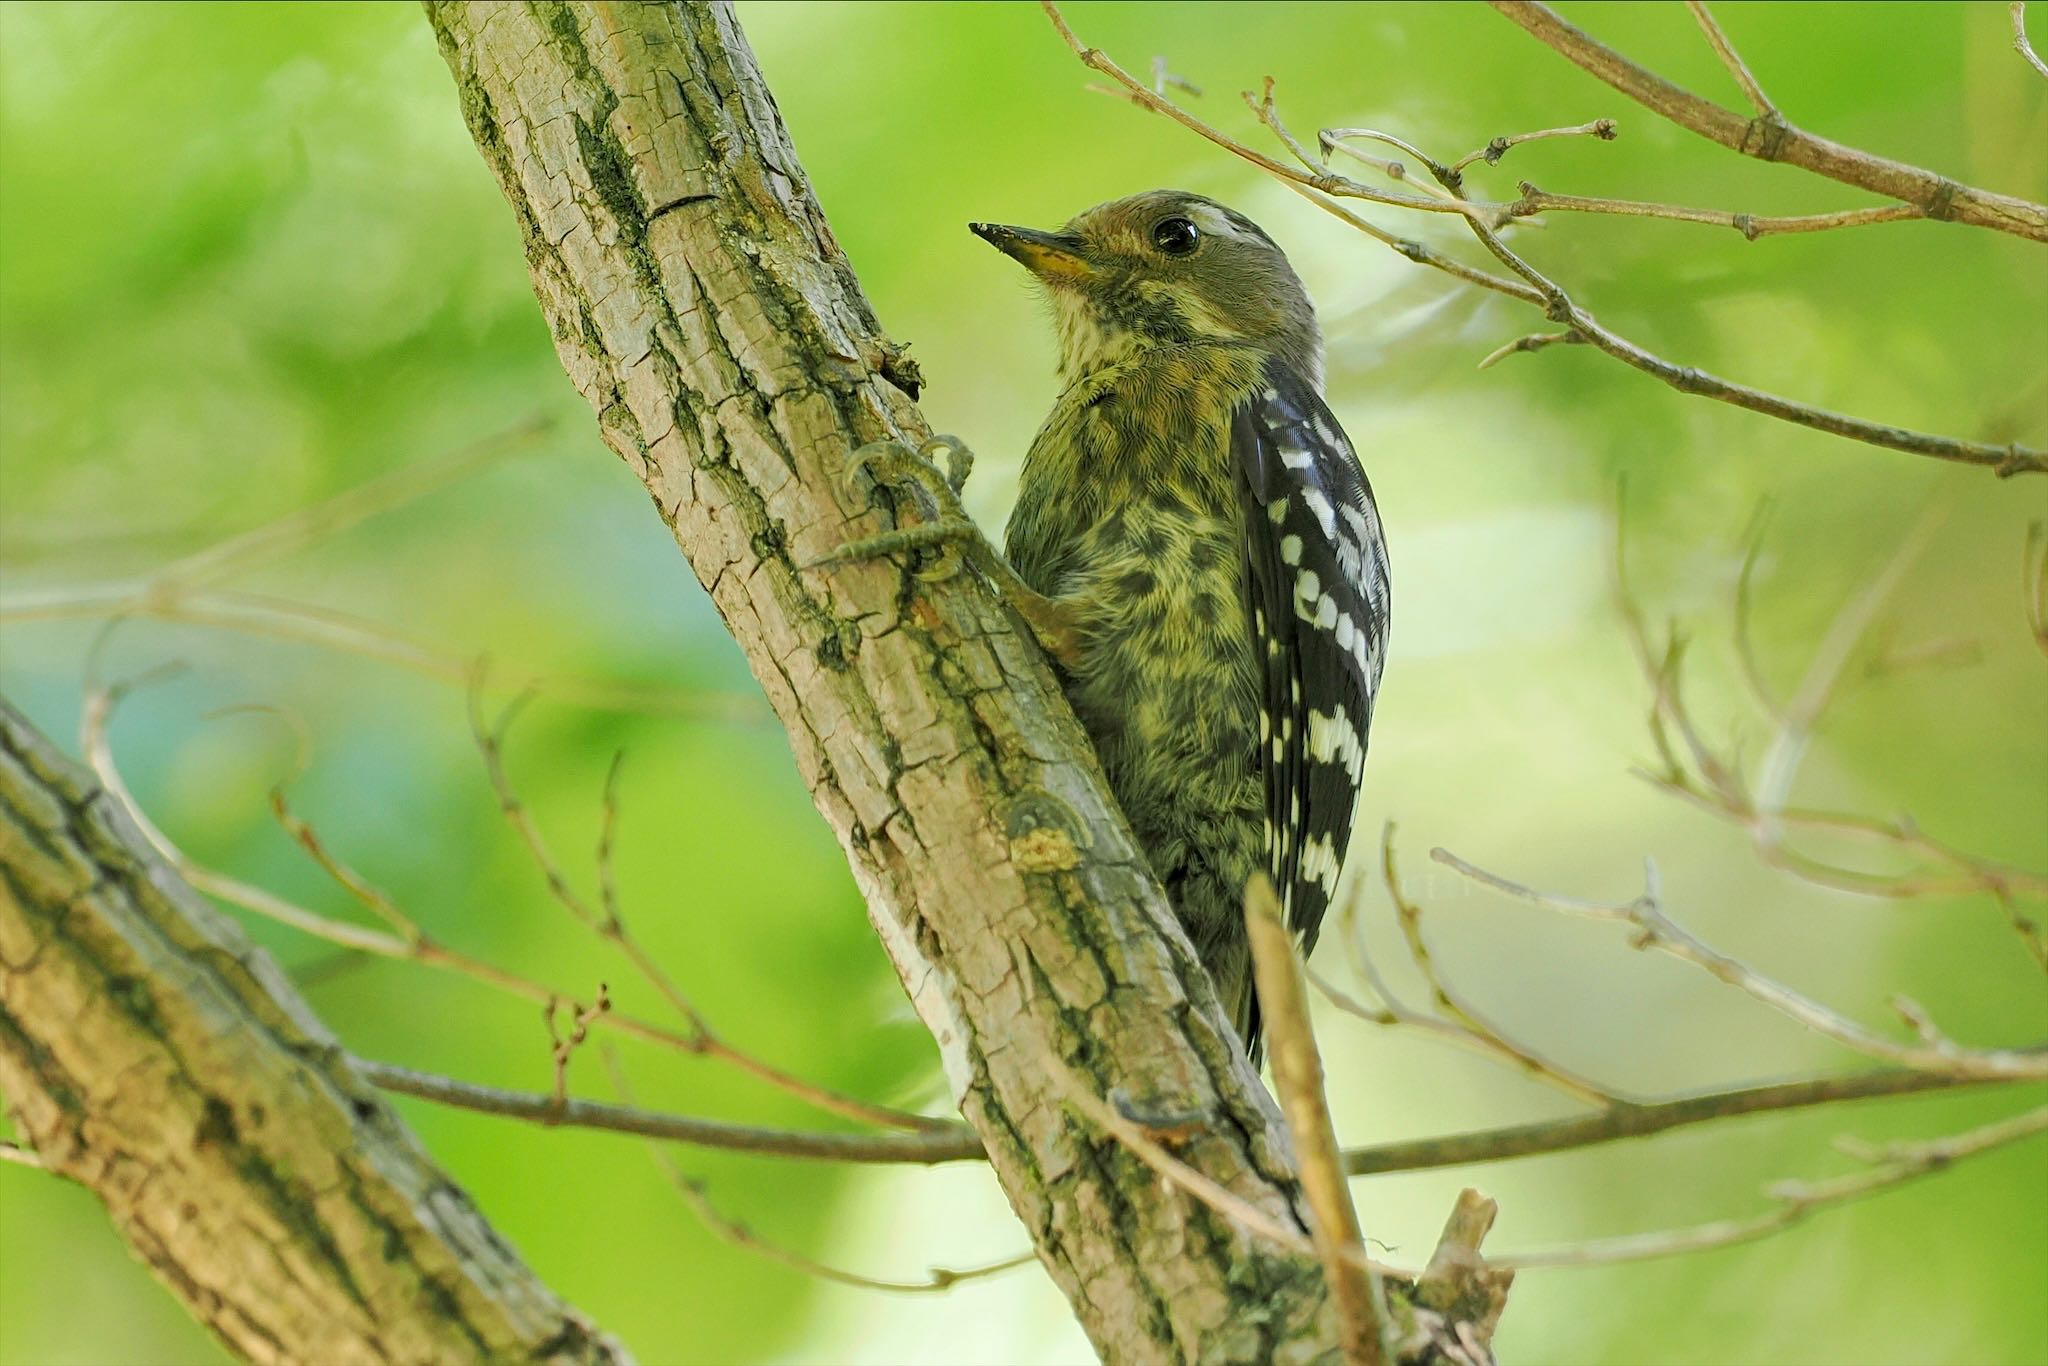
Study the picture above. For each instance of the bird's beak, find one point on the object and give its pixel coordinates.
(1048, 255)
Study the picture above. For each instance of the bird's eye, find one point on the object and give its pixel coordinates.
(1176, 236)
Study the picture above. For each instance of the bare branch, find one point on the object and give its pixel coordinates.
(1720, 789)
(565, 1045)
(1484, 220)
(956, 1143)
(155, 1056)
(1643, 1119)
(1897, 1164)
(1176, 1173)
(1419, 252)
(1655, 930)
(1298, 1076)
(1773, 139)
(1339, 140)
(1558, 307)
(1617, 1123)
(1725, 50)
(1461, 1015)
(1458, 1281)
(1535, 341)
(607, 924)
(1751, 226)
(1332, 140)
(1604, 129)
(2018, 12)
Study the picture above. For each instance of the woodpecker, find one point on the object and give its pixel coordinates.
(1195, 543)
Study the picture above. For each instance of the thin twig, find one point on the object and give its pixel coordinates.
(1138, 93)
(1604, 129)
(183, 591)
(1339, 139)
(96, 717)
(2018, 12)
(1455, 1009)
(1796, 719)
(1751, 226)
(1897, 1164)
(1776, 140)
(1643, 1119)
(742, 1235)
(1737, 68)
(1655, 930)
(1720, 789)
(924, 1147)
(1386, 166)
(606, 923)
(1485, 219)
(1419, 252)
(1535, 341)
(564, 1046)
(1298, 1077)
(374, 898)
(1559, 307)
(1618, 1123)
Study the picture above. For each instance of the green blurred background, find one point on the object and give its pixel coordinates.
(248, 259)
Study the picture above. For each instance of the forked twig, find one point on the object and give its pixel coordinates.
(413, 945)
(1896, 1164)
(1460, 1018)
(1656, 930)
(1486, 219)
(1604, 129)
(605, 921)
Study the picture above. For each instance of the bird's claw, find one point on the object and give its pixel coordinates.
(892, 462)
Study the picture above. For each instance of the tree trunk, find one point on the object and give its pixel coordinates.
(150, 1053)
(700, 303)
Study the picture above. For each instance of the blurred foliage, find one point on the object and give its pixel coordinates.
(248, 259)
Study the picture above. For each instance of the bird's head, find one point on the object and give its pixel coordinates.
(1160, 269)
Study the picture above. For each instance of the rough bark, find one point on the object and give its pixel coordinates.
(149, 1052)
(700, 303)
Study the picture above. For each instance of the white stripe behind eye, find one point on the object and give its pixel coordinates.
(1211, 219)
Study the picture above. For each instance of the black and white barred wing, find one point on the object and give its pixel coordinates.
(1316, 588)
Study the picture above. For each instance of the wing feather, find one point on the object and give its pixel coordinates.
(1316, 591)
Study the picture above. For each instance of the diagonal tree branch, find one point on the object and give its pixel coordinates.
(149, 1052)
(700, 303)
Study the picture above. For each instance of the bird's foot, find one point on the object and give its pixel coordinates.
(949, 530)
